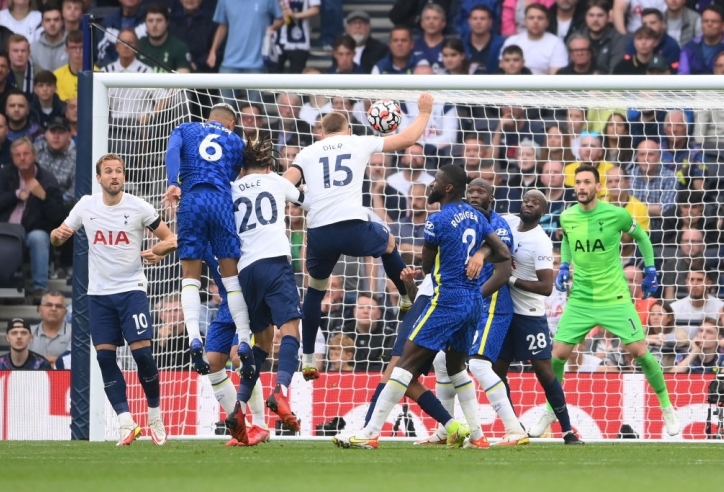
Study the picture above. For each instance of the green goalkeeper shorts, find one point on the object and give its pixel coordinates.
(620, 319)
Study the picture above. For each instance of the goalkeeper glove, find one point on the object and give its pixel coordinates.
(564, 275)
(650, 284)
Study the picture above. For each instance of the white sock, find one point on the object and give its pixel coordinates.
(444, 389)
(237, 307)
(468, 399)
(309, 360)
(390, 396)
(256, 405)
(125, 419)
(191, 305)
(154, 414)
(497, 396)
(224, 390)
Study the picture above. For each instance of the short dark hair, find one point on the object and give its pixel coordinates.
(601, 4)
(690, 197)
(646, 32)
(63, 2)
(483, 8)
(652, 11)
(157, 8)
(74, 37)
(345, 40)
(334, 123)
(537, 6)
(401, 27)
(714, 8)
(513, 49)
(45, 77)
(456, 176)
(49, 7)
(587, 168)
(109, 157)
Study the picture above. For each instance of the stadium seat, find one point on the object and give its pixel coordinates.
(12, 240)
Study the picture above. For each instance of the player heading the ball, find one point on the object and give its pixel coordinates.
(201, 160)
(337, 223)
(114, 222)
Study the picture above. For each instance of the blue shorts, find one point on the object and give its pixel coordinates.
(352, 237)
(116, 317)
(408, 323)
(271, 294)
(220, 335)
(490, 335)
(448, 326)
(206, 217)
(528, 338)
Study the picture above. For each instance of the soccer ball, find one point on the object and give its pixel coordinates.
(384, 116)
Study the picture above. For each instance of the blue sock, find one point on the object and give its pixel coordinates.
(148, 375)
(393, 267)
(373, 402)
(312, 309)
(432, 406)
(259, 357)
(288, 361)
(113, 383)
(557, 401)
(247, 385)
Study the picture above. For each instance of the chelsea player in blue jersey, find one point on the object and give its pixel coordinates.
(201, 161)
(452, 314)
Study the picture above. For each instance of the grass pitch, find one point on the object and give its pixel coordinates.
(208, 466)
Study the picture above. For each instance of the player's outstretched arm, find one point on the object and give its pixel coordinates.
(173, 165)
(60, 235)
(414, 131)
(407, 275)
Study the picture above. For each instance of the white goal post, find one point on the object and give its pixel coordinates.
(600, 403)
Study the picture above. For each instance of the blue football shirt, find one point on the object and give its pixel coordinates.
(503, 302)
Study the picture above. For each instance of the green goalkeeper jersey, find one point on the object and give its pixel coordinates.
(592, 243)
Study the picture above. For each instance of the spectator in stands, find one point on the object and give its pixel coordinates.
(244, 31)
(287, 154)
(252, 122)
(441, 132)
(681, 153)
(209, 309)
(20, 358)
(508, 199)
(454, 59)
(130, 15)
(371, 338)
(557, 145)
(52, 336)
(429, 46)
(412, 164)
(566, 17)
(330, 21)
(662, 335)
(345, 106)
(512, 61)
(21, 69)
(482, 45)
(682, 23)
(67, 75)
(48, 51)
(513, 127)
(160, 50)
(474, 152)
(634, 277)
(410, 229)
(709, 124)
(704, 355)
(21, 19)
(627, 15)
(579, 50)
(56, 154)
(191, 22)
(689, 213)
(5, 159)
(657, 65)
(607, 43)
(401, 59)
(592, 153)
(617, 142)
(544, 52)
(576, 124)
(333, 307)
(17, 112)
(385, 201)
(343, 52)
(689, 256)
(316, 105)
(340, 354)
(170, 345)
(698, 55)
(72, 12)
(5, 87)
(45, 103)
(644, 40)
(559, 196)
(289, 129)
(295, 34)
(31, 196)
(618, 185)
(71, 114)
(523, 172)
(664, 45)
(368, 50)
(699, 304)
(651, 182)
(127, 61)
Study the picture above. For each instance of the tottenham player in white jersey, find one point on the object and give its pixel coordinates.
(528, 337)
(267, 278)
(115, 224)
(337, 223)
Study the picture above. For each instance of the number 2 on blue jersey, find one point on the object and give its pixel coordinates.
(338, 166)
(258, 212)
(469, 239)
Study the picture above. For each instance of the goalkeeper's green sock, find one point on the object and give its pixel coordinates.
(655, 377)
(559, 366)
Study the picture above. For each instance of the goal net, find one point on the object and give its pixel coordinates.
(657, 147)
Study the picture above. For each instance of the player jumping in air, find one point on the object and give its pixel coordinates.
(201, 160)
(528, 337)
(333, 170)
(600, 295)
(115, 224)
(452, 314)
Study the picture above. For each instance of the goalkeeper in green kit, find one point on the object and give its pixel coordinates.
(600, 294)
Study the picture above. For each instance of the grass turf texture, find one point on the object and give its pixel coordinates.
(208, 466)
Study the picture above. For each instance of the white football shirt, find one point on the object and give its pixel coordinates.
(334, 171)
(532, 250)
(426, 288)
(259, 210)
(115, 240)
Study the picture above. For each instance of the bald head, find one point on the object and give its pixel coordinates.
(482, 182)
(538, 195)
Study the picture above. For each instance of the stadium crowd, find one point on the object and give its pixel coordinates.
(663, 165)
